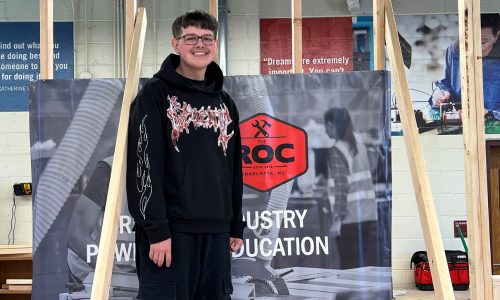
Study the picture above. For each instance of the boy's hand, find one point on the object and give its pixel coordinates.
(235, 244)
(160, 252)
(437, 98)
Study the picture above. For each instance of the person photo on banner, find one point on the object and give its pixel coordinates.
(184, 171)
(85, 227)
(448, 89)
(351, 193)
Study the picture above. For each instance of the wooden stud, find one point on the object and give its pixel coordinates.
(471, 71)
(107, 243)
(378, 35)
(46, 39)
(421, 185)
(297, 36)
(130, 11)
(214, 11)
(214, 8)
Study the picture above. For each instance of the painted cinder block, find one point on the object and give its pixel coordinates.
(97, 31)
(451, 159)
(431, 158)
(237, 68)
(5, 189)
(18, 139)
(404, 248)
(253, 68)
(101, 71)
(96, 10)
(254, 26)
(400, 264)
(400, 161)
(453, 205)
(238, 26)
(322, 8)
(399, 277)
(402, 183)
(4, 231)
(280, 9)
(99, 55)
(406, 227)
(15, 166)
(404, 205)
(11, 122)
(163, 30)
(243, 7)
(165, 9)
(248, 48)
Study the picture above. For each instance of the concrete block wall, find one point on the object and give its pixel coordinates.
(15, 166)
(243, 48)
(444, 160)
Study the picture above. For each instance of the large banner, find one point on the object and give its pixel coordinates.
(20, 60)
(329, 45)
(317, 196)
(434, 73)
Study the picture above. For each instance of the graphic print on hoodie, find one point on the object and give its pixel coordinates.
(182, 115)
(184, 162)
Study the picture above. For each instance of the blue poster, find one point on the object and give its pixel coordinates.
(20, 60)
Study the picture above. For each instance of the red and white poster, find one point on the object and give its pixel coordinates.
(326, 45)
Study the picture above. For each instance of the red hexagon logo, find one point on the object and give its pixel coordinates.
(273, 152)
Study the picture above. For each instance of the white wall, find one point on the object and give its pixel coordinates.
(443, 154)
(444, 160)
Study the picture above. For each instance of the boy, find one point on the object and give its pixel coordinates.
(184, 175)
(450, 89)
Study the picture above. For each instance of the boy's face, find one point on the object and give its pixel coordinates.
(488, 39)
(198, 56)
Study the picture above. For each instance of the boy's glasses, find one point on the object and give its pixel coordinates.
(191, 39)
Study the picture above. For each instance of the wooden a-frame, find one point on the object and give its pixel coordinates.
(475, 165)
(107, 243)
(421, 184)
(476, 192)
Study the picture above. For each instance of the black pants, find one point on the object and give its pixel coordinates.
(200, 268)
(357, 245)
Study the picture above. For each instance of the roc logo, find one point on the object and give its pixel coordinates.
(273, 152)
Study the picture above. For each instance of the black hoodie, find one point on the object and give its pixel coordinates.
(184, 156)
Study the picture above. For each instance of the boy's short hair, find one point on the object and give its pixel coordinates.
(197, 18)
(491, 21)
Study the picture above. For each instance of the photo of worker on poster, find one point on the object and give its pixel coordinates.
(434, 73)
(317, 196)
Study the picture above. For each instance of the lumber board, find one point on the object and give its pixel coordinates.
(297, 36)
(130, 10)
(476, 192)
(16, 246)
(7, 257)
(19, 287)
(421, 185)
(46, 39)
(378, 35)
(13, 251)
(19, 281)
(214, 11)
(107, 243)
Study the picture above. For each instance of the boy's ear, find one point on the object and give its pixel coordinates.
(175, 45)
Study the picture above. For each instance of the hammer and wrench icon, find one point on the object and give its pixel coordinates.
(261, 129)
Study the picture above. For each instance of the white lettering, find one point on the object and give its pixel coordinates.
(92, 250)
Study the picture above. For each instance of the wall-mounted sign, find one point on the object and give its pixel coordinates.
(20, 60)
